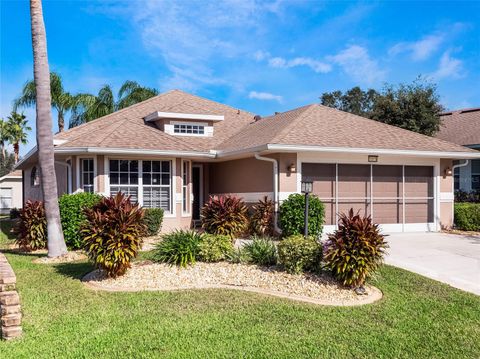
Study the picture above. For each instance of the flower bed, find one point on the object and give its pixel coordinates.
(318, 289)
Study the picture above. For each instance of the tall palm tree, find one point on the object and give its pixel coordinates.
(55, 243)
(88, 107)
(17, 130)
(62, 101)
(4, 135)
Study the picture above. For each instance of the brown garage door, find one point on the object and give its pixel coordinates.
(390, 194)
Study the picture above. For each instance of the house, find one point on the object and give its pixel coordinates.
(463, 127)
(11, 192)
(175, 150)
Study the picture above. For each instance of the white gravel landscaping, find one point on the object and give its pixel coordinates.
(310, 288)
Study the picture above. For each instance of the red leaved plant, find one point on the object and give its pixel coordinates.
(225, 215)
(112, 233)
(31, 228)
(355, 250)
(261, 221)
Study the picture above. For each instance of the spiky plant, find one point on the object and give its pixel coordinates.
(31, 229)
(261, 221)
(355, 250)
(225, 215)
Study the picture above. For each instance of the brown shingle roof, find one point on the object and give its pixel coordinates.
(126, 128)
(314, 125)
(461, 127)
(318, 125)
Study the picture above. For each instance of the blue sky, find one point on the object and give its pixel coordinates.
(262, 56)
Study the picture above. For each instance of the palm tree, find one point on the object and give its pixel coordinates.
(17, 129)
(4, 135)
(89, 107)
(62, 101)
(55, 243)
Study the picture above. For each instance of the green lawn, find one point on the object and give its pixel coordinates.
(418, 318)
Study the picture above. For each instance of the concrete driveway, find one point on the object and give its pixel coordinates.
(449, 258)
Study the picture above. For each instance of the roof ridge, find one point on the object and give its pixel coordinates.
(114, 128)
(305, 110)
(383, 124)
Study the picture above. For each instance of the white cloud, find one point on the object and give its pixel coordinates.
(421, 49)
(356, 62)
(264, 96)
(449, 67)
(315, 65)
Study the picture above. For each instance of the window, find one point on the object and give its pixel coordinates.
(34, 177)
(5, 198)
(124, 178)
(86, 174)
(189, 129)
(157, 184)
(476, 174)
(185, 182)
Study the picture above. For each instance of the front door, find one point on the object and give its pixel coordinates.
(197, 192)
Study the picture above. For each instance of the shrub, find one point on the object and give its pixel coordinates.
(238, 255)
(153, 220)
(225, 215)
(463, 196)
(292, 215)
(112, 233)
(214, 248)
(31, 229)
(467, 216)
(261, 251)
(355, 250)
(179, 247)
(298, 254)
(261, 221)
(72, 215)
(14, 213)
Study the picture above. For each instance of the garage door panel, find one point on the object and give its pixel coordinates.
(418, 181)
(330, 213)
(388, 211)
(323, 178)
(361, 206)
(353, 181)
(387, 181)
(419, 211)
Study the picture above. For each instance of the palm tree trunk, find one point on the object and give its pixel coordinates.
(61, 121)
(16, 150)
(2, 144)
(41, 72)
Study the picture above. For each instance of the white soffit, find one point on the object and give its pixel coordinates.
(183, 116)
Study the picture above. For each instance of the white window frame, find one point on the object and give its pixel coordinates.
(129, 172)
(173, 175)
(157, 185)
(170, 129)
(78, 164)
(186, 188)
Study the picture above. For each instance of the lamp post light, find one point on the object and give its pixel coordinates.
(307, 187)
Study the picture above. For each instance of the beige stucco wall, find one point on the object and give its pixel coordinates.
(240, 176)
(287, 181)
(446, 195)
(34, 193)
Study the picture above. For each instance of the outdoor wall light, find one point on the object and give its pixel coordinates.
(292, 168)
(372, 158)
(448, 171)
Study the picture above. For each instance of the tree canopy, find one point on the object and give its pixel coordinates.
(415, 107)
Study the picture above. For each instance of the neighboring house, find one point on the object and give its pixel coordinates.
(463, 127)
(11, 195)
(175, 150)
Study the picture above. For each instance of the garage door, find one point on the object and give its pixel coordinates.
(398, 197)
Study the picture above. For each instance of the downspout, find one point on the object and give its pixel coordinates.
(275, 188)
(453, 186)
(69, 174)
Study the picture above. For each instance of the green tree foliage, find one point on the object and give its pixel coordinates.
(17, 128)
(415, 107)
(6, 163)
(88, 107)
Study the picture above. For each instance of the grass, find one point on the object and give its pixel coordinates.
(418, 318)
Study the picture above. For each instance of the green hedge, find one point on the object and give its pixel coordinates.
(72, 215)
(153, 220)
(467, 216)
(292, 215)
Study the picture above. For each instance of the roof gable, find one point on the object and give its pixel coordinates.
(461, 127)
